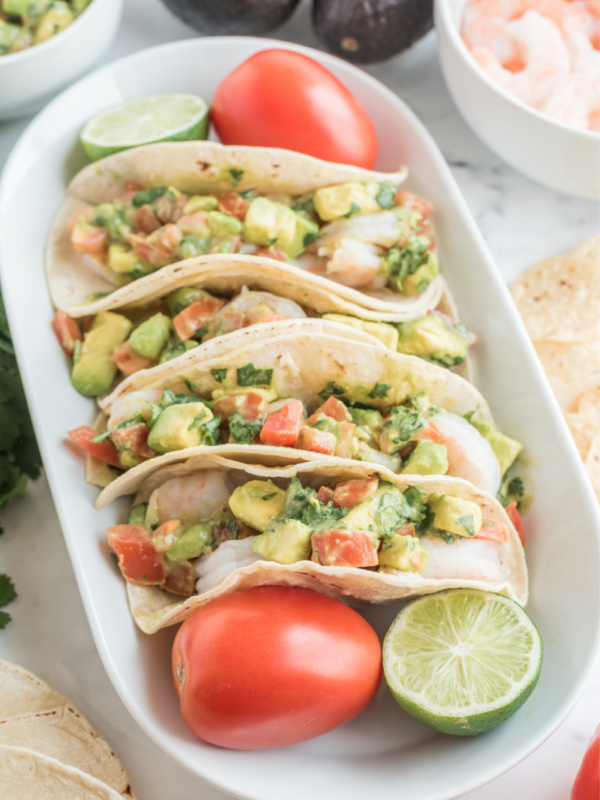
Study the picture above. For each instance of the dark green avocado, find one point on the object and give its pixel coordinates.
(366, 31)
(233, 16)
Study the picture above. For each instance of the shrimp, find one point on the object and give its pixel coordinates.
(355, 263)
(213, 568)
(383, 229)
(470, 456)
(247, 300)
(195, 497)
(464, 559)
(128, 405)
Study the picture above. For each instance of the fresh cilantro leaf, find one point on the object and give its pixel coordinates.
(237, 175)
(219, 374)
(332, 390)
(306, 207)
(516, 487)
(302, 503)
(147, 196)
(354, 209)
(310, 237)
(190, 384)
(386, 195)
(7, 590)
(4, 619)
(243, 430)
(170, 398)
(248, 375)
(211, 431)
(380, 390)
(466, 522)
(401, 425)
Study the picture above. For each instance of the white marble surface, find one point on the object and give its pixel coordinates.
(522, 222)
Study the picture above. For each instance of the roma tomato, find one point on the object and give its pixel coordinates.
(278, 98)
(587, 782)
(272, 666)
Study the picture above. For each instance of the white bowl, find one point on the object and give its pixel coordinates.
(30, 77)
(544, 149)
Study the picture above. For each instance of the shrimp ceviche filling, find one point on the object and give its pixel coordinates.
(194, 531)
(24, 23)
(139, 337)
(361, 234)
(412, 437)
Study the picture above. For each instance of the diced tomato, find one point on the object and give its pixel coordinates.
(494, 531)
(414, 202)
(188, 321)
(67, 331)
(87, 238)
(132, 186)
(128, 360)
(344, 548)
(164, 207)
(166, 535)
(345, 440)
(406, 530)
(282, 427)
(260, 313)
(325, 495)
(138, 560)
(333, 408)
(317, 441)
(134, 439)
(515, 518)
(144, 220)
(104, 451)
(251, 405)
(86, 322)
(272, 252)
(157, 248)
(351, 493)
(85, 214)
(232, 204)
(195, 224)
(181, 578)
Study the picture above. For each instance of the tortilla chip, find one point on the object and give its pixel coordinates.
(588, 406)
(592, 465)
(25, 774)
(581, 432)
(559, 299)
(574, 365)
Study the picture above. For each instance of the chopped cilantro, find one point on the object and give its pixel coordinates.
(219, 374)
(516, 487)
(380, 390)
(7, 595)
(243, 430)
(302, 503)
(354, 209)
(466, 522)
(237, 175)
(310, 237)
(386, 194)
(248, 375)
(402, 424)
(170, 398)
(147, 196)
(190, 384)
(331, 390)
(306, 207)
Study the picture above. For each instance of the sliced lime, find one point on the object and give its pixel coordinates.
(462, 661)
(162, 118)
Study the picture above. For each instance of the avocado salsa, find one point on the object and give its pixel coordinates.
(24, 23)
(362, 523)
(362, 234)
(142, 336)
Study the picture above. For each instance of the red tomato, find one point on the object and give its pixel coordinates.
(278, 98)
(67, 331)
(138, 560)
(317, 441)
(87, 238)
(134, 440)
(128, 360)
(515, 518)
(282, 427)
(494, 531)
(103, 451)
(587, 782)
(232, 204)
(350, 493)
(333, 408)
(251, 405)
(272, 666)
(188, 321)
(344, 548)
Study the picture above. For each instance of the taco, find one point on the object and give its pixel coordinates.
(181, 307)
(138, 211)
(210, 526)
(299, 397)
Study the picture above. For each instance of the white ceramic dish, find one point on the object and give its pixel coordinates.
(544, 149)
(382, 751)
(28, 78)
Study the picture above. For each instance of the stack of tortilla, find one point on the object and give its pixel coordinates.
(559, 301)
(48, 749)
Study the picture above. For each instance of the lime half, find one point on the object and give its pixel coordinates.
(163, 118)
(462, 661)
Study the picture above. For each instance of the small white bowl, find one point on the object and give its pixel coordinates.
(544, 149)
(30, 77)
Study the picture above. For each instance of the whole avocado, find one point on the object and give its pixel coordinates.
(366, 31)
(233, 16)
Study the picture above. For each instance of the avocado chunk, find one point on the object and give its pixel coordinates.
(269, 223)
(56, 19)
(428, 458)
(366, 418)
(93, 370)
(399, 428)
(421, 278)
(257, 502)
(380, 513)
(184, 297)
(137, 515)
(194, 542)
(505, 449)
(405, 553)
(199, 202)
(387, 334)
(151, 336)
(455, 515)
(122, 259)
(346, 199)
(179, 426)
(432, 338)
(284, 541)
(223, 224)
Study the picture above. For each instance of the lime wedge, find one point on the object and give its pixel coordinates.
(461, 660)
(163, 118)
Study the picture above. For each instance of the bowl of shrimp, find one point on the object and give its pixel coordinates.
(46, 44)
(525, 75)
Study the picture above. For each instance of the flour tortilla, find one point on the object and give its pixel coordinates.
(197, 167)
(25, 774)
(303, 365)
(153, 609)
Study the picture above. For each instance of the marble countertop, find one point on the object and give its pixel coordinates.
(522, 222)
